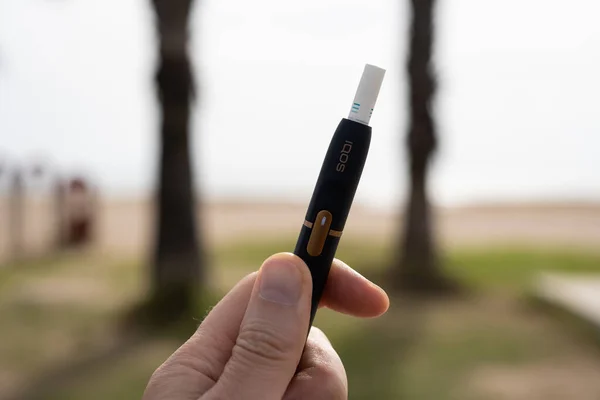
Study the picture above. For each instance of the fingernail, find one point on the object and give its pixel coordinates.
(280, 282)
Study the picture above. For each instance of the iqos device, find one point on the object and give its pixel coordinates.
(336, 185)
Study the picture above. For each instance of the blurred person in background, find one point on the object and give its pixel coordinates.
(80, 206)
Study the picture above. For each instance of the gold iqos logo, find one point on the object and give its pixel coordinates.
(344, 156)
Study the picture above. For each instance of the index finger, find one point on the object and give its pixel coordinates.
(205, 354)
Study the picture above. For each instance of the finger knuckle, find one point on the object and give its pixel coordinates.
(333, 385)
(258, 342)
(321, 382)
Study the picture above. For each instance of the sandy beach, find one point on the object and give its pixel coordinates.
(125, 226)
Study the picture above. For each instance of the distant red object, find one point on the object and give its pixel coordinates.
(80, 212)
(77, 185)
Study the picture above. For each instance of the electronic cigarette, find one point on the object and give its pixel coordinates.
(335, 188)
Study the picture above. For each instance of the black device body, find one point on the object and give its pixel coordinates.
(331, 202)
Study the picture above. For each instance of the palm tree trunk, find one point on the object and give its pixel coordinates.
(177, 264)
(60, 212)
(418, 267)
(17, 216)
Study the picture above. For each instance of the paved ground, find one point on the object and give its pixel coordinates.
(579, 295)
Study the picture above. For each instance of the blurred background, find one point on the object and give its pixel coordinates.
(153, 152)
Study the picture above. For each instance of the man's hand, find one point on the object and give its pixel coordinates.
(252, 343)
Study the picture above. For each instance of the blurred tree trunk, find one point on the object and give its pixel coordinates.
(60, 212)
(17, 215)
(418, 268)
(177, 265)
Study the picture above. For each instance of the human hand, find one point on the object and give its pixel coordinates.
(252, 343)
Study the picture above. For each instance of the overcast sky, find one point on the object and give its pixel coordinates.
(518, 104)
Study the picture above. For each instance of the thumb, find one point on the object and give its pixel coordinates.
(272, 333)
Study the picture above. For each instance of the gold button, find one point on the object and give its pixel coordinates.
(319, 233)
